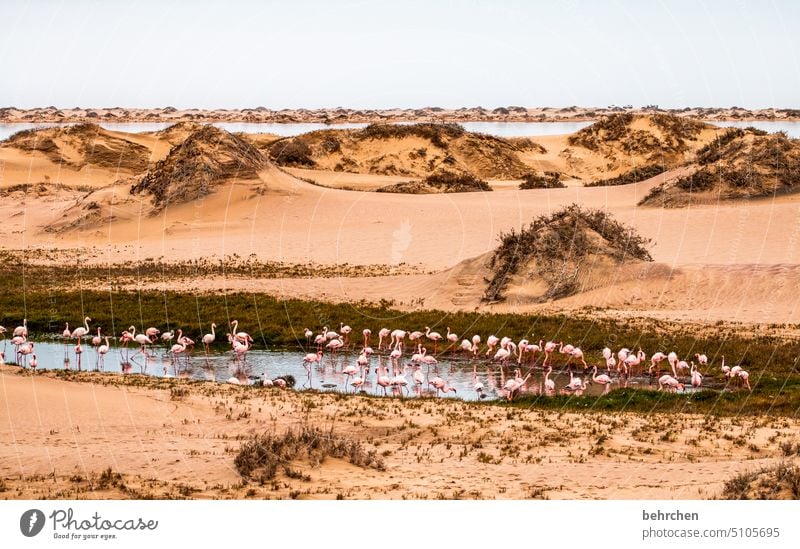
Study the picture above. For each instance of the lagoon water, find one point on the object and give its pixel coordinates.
(500, 129)
(328, 375)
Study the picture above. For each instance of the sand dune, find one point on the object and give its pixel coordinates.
(703, 252)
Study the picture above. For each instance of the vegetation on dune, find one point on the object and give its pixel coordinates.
(675, 133)
(440, 182)
(437, 134)
(739, 163)
(637, 174)
(558, 244)
(261, 458)
(413, 150)
(779, 481)
(94, 147)
(550, 180)
(194, 167)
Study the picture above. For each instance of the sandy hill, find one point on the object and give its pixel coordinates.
(82, 145)
(415, 150)
(625, 148)
(559, 255)
(196, 165)
(739, 163)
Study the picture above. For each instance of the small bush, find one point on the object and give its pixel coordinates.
(550, 180)
(262, 456)
(640, 173)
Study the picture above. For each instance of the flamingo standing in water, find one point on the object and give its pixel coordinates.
(672, 358)
(345, 331)
(466, 346)
(359, 381)
(98, 339)
(335, 344)
(578, 354)
(367, 333)
(476, 345)
(655, 361)
(21, 331)
(549, 384)
(66, 335)
(244, 337)
(23, 350)
(34, 362)
(452, 337)
(433, 336)
(601, 379)
(166, 337)
(491, 343)
(441, 386)
(419, 377)
(549, 348)
(383, 333)
(702, 360)
(126, 337)
(308, 335)
(312, 358)
(382, 381)
(78, 353)
(81, 331)
(670, 383)
(102, 350)
(697, 377)
(208, 339)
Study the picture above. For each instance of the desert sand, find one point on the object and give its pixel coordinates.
(172, 439)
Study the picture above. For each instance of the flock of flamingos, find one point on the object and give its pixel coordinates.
(620, 366)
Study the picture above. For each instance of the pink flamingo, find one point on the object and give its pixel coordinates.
(359, 381)
(23, 351)
(335, 344)
(549, 348)
(441, 386)
(127, 336)
(491, 343)
(366, 332)
(102, 350)
(415, 337)
(419, 377)
(312, 358)
(549, 384)
(701, 359)
(34, 362)
(601, 379)
(383, 333)
(670, 383)
(452, 337)
(320, 341)
(672, 358)
(98, 339)
(208, 339)
(81, 331)
(244, 337)
(655, 361)
(745, 375)
(152, 332)
(697, 377)
(345, 331)
(78, 352)
(476, 345)
(67, 335)
(382, 381)
(578, 354)
(21, 331)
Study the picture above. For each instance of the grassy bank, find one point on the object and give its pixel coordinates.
(280, 323)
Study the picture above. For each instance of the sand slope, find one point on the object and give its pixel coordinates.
(56, 435)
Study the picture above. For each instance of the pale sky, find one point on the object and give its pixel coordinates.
(236, 54)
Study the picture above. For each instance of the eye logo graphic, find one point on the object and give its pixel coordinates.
(31, 522)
